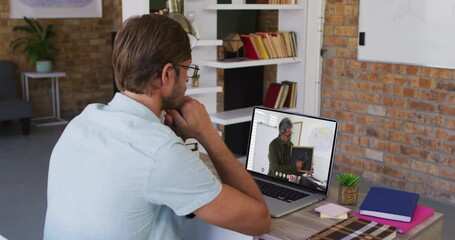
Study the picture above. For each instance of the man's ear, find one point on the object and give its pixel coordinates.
(167, 74)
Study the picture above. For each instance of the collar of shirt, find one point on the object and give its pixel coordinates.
(126, 104)
(283, 143)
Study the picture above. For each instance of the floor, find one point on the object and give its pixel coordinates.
(23, 179)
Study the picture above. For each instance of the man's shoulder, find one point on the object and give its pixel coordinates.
(275, 141)
(130, 128)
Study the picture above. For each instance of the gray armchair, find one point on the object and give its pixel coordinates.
(12, 107)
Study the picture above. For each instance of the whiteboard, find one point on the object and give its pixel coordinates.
(417, 32)
(264, 135)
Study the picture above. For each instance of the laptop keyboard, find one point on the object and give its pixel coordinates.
(278, 192)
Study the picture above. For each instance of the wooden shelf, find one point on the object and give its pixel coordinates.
(250, 63)
(203, 43)
(255, 7)
(203, 89)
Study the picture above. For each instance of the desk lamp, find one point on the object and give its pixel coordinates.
(174, 12)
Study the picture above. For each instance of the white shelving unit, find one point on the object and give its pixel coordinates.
(255, 7)
(232, 117)
(250, 63)
(207, 43)
(305, 19)
(203, 89)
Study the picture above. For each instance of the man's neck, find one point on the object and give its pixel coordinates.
(152, 102)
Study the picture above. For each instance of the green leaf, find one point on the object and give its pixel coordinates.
(348, 179)
(36, 45)
(31, 22)
(26, 29)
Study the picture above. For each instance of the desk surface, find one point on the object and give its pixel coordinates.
(306, 222)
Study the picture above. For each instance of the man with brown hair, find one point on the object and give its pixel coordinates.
(117, 172)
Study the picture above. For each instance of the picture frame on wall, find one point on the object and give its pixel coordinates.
(56, 9)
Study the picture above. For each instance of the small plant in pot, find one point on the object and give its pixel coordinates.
(349, 188)
(36, 44)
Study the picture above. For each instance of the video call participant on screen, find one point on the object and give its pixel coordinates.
(115, 173)
(280, 151)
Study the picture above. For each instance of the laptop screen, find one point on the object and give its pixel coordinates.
(292, 147)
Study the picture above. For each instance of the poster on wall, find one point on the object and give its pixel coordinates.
(56, 8)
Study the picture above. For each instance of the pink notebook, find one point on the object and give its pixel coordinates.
(420, 214)
(332, 209)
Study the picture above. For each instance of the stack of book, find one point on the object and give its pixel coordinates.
(393, 207)
(281, 95)
(276, 1)
(262, 45)
(333, 211)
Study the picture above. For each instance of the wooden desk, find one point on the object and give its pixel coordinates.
(306, 222)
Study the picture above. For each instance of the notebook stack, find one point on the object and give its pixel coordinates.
(393, 207)
(333, 211)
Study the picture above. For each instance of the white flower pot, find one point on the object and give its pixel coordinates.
(43, 66)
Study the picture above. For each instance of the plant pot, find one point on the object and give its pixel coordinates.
(43, 66)
(348, 195)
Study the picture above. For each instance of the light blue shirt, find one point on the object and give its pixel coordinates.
(118, 173)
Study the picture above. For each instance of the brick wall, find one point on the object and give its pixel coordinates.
(85, 55)
(397, 122)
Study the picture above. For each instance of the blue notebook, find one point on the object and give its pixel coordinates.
(389, 204)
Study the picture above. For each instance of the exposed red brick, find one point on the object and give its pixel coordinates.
(422, 106)
(414, 152)
(397, 161)
(436, 72)
(397, 102)
(346, 10)
(424, 167)
(335, 41)
(446, 110)
(448, 173)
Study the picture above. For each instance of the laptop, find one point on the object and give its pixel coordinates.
(287, 190)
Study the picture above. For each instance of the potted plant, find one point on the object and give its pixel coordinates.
(348, 189)
(36, 44)
(195, 81)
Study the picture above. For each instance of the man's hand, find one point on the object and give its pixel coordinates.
(190, 121)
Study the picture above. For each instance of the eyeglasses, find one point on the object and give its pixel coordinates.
(192, 71)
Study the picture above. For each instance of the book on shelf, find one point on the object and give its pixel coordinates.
(279, 43)
(251, 51)
(276, 95)
(288, 43)
(269, 45)
(280, 96)
(421, 213)
(276, 1)
(260, 46)
(272, 95)
(294, 44)
(389, 204)
(290, 99)
(356, 228)
(283, 96)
